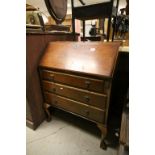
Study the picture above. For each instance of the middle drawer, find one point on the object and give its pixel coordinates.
(87, 97)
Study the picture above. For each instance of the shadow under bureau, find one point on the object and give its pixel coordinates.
(77, 77)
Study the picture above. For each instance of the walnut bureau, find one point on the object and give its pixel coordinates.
(77, 77)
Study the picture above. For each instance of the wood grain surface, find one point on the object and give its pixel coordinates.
(96, 58)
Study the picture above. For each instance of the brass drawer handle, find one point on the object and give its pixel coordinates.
(87, 98)
(61, 88)
(51, 76)
(87, 83)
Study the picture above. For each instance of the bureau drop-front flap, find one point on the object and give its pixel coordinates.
(93, 58)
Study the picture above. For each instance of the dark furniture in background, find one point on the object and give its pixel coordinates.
(94, 11)
(57, 9)
(77, 77)
(124, 131)
(57, 28)
(92, 38)
(36, 43)
(120, 85)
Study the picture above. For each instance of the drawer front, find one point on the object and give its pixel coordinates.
(72, 80)
(75, 107)
(86, 97)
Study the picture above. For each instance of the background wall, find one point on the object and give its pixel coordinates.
(41, 5)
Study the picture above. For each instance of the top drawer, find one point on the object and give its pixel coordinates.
(73, 80)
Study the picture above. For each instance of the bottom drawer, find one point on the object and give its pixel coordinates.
(75, 107)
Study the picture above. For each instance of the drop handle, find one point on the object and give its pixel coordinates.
(87, 83)
(87, 98)
(61, 88)
(51, 76)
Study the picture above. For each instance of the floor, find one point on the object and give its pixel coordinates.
(66, 135)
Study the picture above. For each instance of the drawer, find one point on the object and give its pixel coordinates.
(72, 80)
(75, 107)
(90, 98)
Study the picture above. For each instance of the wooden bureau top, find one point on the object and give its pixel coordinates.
(95, 58)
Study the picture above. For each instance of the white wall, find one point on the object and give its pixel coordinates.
(39, 4)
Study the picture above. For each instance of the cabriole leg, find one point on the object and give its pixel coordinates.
(103, 130)
(48, 115)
